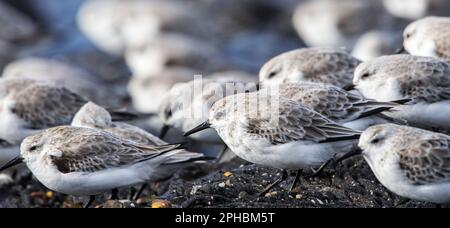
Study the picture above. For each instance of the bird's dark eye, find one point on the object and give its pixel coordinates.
(365, 75)
(272, 74)
(375, 140)
(32, 148)
(168, 112)
(408, 35)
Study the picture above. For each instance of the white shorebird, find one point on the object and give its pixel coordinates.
(97, 117)
(326, 65)
(114, 25)
(28, 106)
(428, 37)
(376, 43)
(423, 80)
(85, 161)
(187, 104)
(416, 9)
(91, 115)
(277, 132)
(349, 109)
(63, 74)
(410, 162)
(143, 88)
(172, 49)
(331, 23)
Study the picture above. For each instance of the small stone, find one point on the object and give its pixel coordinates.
(50, 194)
(159, 203)
(320, 201)
(222, 185)
(228, 174)
(195, 189)
(228, 183)
(243, 195)
(298, 196)
(270, 194)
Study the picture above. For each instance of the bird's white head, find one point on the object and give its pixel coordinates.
(419, 37)
(92, 116)
(273, 73)
(376, 78)
(378, 143)
(32, 148)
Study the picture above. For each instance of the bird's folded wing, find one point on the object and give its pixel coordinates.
(297, 123)
(427, 161)
(330, 66)
(42, 106)
(106, 152)
(431, 82)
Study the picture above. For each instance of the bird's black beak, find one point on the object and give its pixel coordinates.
(400, 50)
(348, 155)
(201, 127)
(349, 87)
(165, 128)
(17, 160)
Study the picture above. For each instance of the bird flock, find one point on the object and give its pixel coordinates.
(309, 109)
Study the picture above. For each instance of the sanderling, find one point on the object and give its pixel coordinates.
(342, 22)
(349, 109)
(94, 116)
(143, 88)
(376, 43)
(416, 9)
(172, 49)
(428, 37)
(62, 74)
(423, 80)
(187, 104)
(410, 162)
(114, 25)
(28, 106)
(86, 161)
(327, 65)
(277, 132)
(97, 117)
(234, 75)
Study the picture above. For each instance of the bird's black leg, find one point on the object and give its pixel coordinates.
(132, 193)
(114, 194)
(139, 193)
(297, 177)
(320, 169)
(222, 152)
(335, 160)
(283, 177)
(89, 203)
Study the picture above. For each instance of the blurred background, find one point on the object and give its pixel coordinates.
(117, 40)
(129, 44)
(133, 51)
